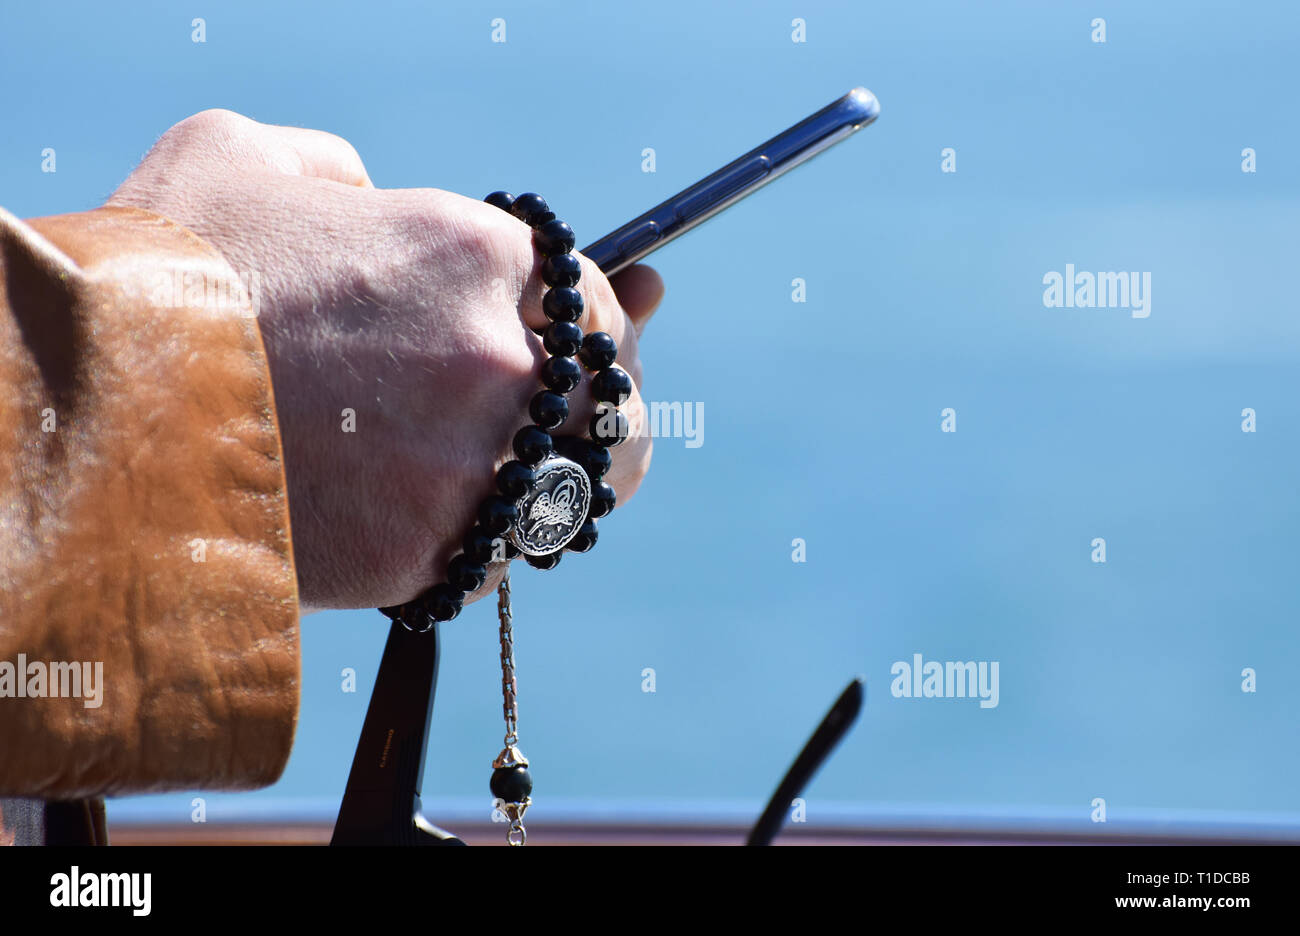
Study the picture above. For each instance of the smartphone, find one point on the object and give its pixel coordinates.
(693, 206)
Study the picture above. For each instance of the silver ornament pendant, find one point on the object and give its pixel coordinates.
(554, 509)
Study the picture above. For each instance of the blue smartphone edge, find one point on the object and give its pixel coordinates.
(742, 176)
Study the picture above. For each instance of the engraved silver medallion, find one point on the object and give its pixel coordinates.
(553, 511)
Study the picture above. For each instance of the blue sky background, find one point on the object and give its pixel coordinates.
(822, 419)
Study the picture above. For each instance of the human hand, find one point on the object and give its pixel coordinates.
(415, 309)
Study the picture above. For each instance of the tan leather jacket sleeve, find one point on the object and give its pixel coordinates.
(145, 559)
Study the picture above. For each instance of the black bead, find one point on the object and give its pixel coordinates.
(562, 339)
(549, 411)
(571, 448)
(496, 514)
(612, 385)
(561, 374)
(502, 200)
(598, 351)
(602, 500)
(528, 206)
(554, 237)
(465, 574)
(549, 561)
(596, 461)
(442, 602)
(532, 445)
(592, 458)
(584, 539)
(609, 427)
(562, 304)
(511, 784)
(562, 270)
(392, 612)
(514, 478)
(539, 218)
(511, 550)
(415, 615)
(479, 544)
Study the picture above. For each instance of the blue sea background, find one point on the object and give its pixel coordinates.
(1120, 680)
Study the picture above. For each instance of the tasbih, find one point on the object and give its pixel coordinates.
(550, 495)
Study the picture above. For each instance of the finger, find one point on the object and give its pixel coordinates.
(601, 311)
(631, 458)
(600, 307)
(639, 289)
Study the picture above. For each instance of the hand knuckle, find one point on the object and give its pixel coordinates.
(208, 123)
